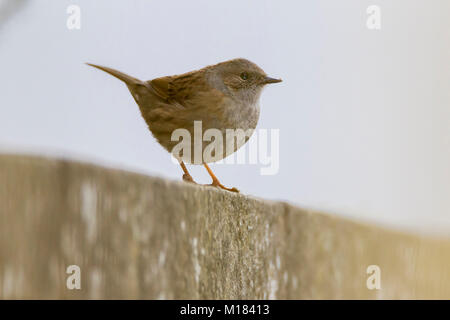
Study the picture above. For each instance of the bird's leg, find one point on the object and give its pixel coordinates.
(216, 182)
(186, 176)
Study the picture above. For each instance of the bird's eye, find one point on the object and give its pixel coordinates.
(244, 75)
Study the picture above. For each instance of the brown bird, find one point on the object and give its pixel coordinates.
(223, 97)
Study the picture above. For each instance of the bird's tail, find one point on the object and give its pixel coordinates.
(129, 80)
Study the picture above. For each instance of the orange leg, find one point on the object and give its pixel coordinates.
(216, 182)
(186, 176)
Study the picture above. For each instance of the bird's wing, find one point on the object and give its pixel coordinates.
(161, 86)
(179, 90)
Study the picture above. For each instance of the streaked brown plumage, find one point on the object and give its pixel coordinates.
(222, 96)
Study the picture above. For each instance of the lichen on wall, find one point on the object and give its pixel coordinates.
(140, 237)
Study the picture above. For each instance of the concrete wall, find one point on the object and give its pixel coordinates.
(142, 237)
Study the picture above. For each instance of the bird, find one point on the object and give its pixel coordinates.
(222, 97)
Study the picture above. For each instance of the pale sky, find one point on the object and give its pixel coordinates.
(363, 114)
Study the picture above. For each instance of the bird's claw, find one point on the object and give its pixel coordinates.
(187, 177)
(217, 184)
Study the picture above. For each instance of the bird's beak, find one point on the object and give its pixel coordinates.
(267, 80)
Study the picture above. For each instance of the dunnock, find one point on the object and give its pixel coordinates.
(222, 96)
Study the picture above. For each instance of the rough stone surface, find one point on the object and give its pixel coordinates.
(139, 237)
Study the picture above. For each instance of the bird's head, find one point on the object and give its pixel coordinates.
(240, 78)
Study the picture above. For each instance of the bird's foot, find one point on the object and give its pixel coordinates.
(217, 184)
(188, 178)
